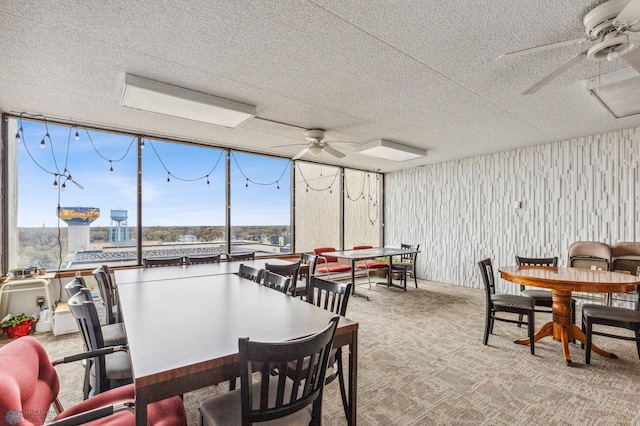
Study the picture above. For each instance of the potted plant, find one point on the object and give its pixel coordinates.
(17, 325)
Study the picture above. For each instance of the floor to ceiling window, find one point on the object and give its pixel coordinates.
(260, 204)
(362, 218)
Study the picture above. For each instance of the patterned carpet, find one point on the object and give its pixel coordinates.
(422, 362)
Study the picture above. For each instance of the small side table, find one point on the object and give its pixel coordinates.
(13, 285)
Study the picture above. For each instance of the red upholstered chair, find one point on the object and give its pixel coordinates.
(368, 265)
(30, 385)
(328, 264)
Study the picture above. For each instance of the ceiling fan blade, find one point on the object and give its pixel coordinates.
(630, 14)
(300, 154)
(555, 73)
(542, 47)
(333, 151)
(344, 142)
(633, 59)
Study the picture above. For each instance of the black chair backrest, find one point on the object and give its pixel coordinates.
(74, 286)
(329, 295)
(196, 260)
(276, 281)
(290, 271)
(250, 273)
(308, 357)
(309, 259)
(536, 261)
(409, 257)
(86, 315)
(235, 257)
(153, 262)
(107, 292)
(486, 271)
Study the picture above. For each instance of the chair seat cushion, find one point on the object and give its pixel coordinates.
(335, 268)
(402, 265)
(113, 334)
(373, 265)
(226, 409)
(513, 301)
(167, 412)
(611, 313)
(537, 294)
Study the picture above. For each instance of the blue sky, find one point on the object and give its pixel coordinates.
(186, 201)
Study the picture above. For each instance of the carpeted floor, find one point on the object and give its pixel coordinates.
(422, 362)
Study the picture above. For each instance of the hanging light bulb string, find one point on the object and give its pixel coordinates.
(110, 160)
(169, 174)
(248, 179)
(375, 208)
(346, 187)
(309, 187)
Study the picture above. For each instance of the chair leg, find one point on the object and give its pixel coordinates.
(573, 315)
(587, 350)
(415, 278)
(638, 342)
(520, 316)
(487, 327)
(584, 331)
(343, 392)
(531, 323)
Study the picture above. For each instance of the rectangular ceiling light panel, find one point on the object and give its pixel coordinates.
(154, 96)
(618, 92)
(391, 151)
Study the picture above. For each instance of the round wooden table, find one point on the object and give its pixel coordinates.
(562, 281)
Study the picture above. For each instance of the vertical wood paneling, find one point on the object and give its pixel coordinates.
(464, 210)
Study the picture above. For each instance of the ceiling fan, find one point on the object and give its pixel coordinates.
(610, 25)
(316, 145)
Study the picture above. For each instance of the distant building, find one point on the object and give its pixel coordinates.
(78, 219)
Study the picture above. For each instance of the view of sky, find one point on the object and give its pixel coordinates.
(186, 201)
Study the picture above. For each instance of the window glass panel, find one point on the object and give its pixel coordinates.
(260, 204)
(183, 199)
(361, 208)
(317, 206)
(85, 190)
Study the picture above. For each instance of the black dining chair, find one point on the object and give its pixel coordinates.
(250, 273)
(201, 259)
(237, 257)
(406, 267)
(271, 394)
(611, 316)
(509, 303)
(108, 295)
(291, 271)
(154, 262)
(307, 269)
(276, 281)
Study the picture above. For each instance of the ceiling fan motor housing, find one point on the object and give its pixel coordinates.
(314, 136)
(600, 23)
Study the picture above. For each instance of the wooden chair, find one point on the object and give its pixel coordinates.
(407, 265)
(542, 298)
(613, 317)
(197, 260)
(111, 370)
(334, 297)
(250, 273)
(291, 271)
(276, 282)
(270, 394)
(30, 386)
(510, 303)
(154, 262)
(306, 270)
(237, 257)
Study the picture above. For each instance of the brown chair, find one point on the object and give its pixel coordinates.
(306, 270)
(237, 257)
(509, 303)
(30, 386)
(334, 297)
(197, 260)
(407, 265)
(625, 258)
(270, 394)
(610, 316)
(276, 282)
(291, 271)
(250, 273)
(154, 262)
(543, 298)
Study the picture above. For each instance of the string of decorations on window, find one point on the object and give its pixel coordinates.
(59, 177)
(170, 174)
(360, 196)
(248, 179)
(110, 160)
(309, 187)
(373, 206)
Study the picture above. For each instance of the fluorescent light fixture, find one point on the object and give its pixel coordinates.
(154, 96)
(391, 151)
(618, 92)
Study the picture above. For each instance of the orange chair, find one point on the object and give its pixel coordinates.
(330, 263)
(30, 385)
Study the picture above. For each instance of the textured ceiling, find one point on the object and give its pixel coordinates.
(420, 73)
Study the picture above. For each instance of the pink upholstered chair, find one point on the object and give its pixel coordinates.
(30, 385)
